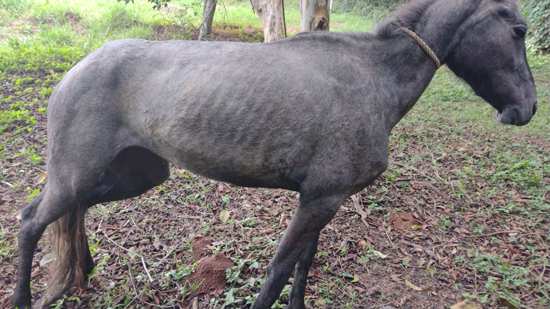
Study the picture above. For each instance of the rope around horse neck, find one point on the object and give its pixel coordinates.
(425, 47)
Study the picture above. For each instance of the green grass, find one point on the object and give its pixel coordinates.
(15, 116)
(240, 13)
(6, 250)
(503, 278)
(62, 32)
(55, 34)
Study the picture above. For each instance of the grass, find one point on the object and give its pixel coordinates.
(493, 179)
(54, 34)
(6, 249)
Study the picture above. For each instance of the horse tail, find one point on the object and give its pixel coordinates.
(73, 261)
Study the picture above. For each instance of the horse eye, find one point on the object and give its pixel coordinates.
(520, 31)
(505, 13)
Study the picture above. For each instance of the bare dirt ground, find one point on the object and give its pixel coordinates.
(457, 216)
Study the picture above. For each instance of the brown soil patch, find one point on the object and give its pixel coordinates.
(170, 32)
(209, 276)
(404, 222)
(234, 33)
(201, 247)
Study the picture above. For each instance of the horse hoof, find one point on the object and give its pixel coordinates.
(21, 301)
(22, 304)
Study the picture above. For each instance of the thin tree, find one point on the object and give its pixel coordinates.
(209, 8)
(315, 15)
(272, 14)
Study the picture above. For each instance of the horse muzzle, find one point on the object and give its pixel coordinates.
(518, 116)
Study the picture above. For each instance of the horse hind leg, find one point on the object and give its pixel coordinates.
(45, 209)
(131, 173)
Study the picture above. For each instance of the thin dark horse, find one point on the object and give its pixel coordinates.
(311, 114)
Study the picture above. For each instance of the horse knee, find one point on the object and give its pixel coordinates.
(35, 218)
(28, 211)
(28, 235)
(30, 229)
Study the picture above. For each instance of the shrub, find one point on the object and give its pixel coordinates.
(157, 4)
(14, 6)
(365, 8)
(538, 12)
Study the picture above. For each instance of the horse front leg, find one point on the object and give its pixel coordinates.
(296, 300)
(300, 240)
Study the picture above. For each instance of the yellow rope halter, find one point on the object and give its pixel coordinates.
(425, 47)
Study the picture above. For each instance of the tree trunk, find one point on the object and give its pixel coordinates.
(315, 15)
(272, 14)
(209, 9)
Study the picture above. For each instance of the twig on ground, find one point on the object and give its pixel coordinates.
(8, 184)
(388, 236)
(146, 270)
(136, 294)
(357, 206)
(501, 233)
(131, 253)
(116, 244)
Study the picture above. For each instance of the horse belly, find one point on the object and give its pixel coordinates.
(236, 166)
(254, 162)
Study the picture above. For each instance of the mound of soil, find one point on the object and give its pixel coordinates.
(201, 247)
(209, 275)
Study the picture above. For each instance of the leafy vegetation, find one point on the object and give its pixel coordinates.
(538, 12)
(366, 8)
(157, 4)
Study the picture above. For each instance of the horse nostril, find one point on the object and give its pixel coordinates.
(534, 109)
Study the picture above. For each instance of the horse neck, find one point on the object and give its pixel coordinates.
(411, 68)
(409, 71)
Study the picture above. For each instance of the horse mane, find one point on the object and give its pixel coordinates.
(408, 15)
